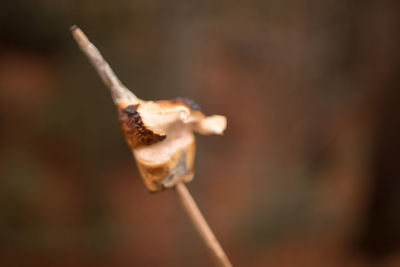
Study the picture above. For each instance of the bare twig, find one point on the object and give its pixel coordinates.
(118, 91)
(201, 225)
(121, 93)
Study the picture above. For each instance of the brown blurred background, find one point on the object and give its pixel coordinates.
(307, 173)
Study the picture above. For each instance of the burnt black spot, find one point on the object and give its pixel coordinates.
(136, 133)
(188, 102)
(131, 109)
(161, 137)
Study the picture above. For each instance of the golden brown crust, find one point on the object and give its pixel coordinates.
(135, 132)
(187, 102)
(166, 174)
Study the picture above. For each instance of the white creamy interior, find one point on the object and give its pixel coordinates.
(162, 119)
(177, 122)
(164, 150)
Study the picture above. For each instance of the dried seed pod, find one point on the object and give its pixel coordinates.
(160, 133)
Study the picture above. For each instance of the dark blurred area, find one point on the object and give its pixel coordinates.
(307, 174)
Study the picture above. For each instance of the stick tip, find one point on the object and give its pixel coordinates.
(79, 36)
(73, 28)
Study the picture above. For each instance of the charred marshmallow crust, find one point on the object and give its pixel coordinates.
(135, 131)
(190, 103)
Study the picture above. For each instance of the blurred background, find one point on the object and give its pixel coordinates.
(307, 173)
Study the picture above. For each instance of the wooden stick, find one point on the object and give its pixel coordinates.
(120, 93)
(201, 225)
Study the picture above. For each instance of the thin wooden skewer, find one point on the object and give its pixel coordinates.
(201, 225)
(120, 93)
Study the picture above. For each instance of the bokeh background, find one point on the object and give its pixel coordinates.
(307, 173)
